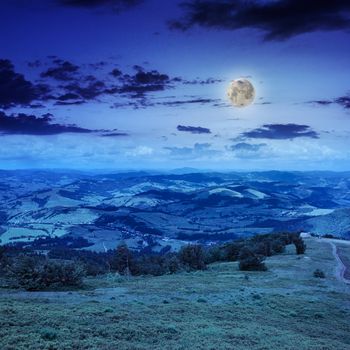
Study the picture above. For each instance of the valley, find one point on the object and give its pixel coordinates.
(161, 211)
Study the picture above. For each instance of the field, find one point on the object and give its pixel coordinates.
(221, 308)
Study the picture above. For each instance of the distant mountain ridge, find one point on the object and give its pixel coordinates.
(164, 211)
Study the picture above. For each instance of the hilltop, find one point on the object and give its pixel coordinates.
(285, 307)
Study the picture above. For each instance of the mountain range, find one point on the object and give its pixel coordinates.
(155, 210)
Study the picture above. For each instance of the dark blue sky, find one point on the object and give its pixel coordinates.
(142, 84)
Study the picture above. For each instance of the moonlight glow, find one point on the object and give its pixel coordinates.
(241, 92)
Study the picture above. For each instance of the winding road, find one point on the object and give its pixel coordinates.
(342, 268)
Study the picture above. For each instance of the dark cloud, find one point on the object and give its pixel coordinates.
(115, 134)
(279, 20)
(25, 124)
(116, 73)
(343, 101)
(142, 102)
(88, 91)
(15, 90)
(143, 82)
(322, 102)
(72, 84)
(193, 129)
(198, 81)
(281, 132)
(115, 5)
(192, 101)
(63, 70)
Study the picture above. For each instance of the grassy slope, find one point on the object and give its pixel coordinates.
(284, 308)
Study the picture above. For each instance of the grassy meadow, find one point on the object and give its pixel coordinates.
(220, 308)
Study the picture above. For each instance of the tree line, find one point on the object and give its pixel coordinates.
(65, 267)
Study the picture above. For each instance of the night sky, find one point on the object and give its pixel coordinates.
(141, 84)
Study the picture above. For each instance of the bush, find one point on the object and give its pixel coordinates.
(37, 273)
(123, 261)
(278, 246)
(319, 274)
(48, 334)
(300, 245)
(250, 261)
(232, 251)
(254, 263)
(3, 259)
(192, 257)
(151, 265)
(172, 263)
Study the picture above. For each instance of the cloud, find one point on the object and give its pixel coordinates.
(63, 70)
(15, 90)
(140, 151)
(193, 129)
(115, 134)
(143, 82)
(26, 124)
(198, 81)
(248, 150)
(68, 84)
(281, 132)
(279, 20)
(343, 101)
(86, 91)
(185, 102)
(116, 72)
(199, 150)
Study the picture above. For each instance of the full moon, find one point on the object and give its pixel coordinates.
(241, 92)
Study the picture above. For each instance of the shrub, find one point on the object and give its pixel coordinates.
(192, 257)
(36, 273)
(151, 265)
(3, 259)
(278, 246)
(123, 261)
(319, 273)
(213, 254)
(232, 250)
(250, 261)
(300, 245)
(48, 334)
(253, 263)
(172, 263)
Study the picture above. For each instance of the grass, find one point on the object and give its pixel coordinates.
(283, 308)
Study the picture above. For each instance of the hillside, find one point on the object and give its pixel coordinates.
(221, 308)
(163, 211)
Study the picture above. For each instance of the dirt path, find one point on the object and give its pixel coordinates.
(341, 268)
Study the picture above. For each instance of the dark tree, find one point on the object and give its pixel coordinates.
(3, 258)
(37, 272)
(123, 261)
(278, 246)
(192, 257)
(250, 261)
(172, 263)
(300, 245)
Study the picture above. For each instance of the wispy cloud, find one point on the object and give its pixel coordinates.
(193, 129)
